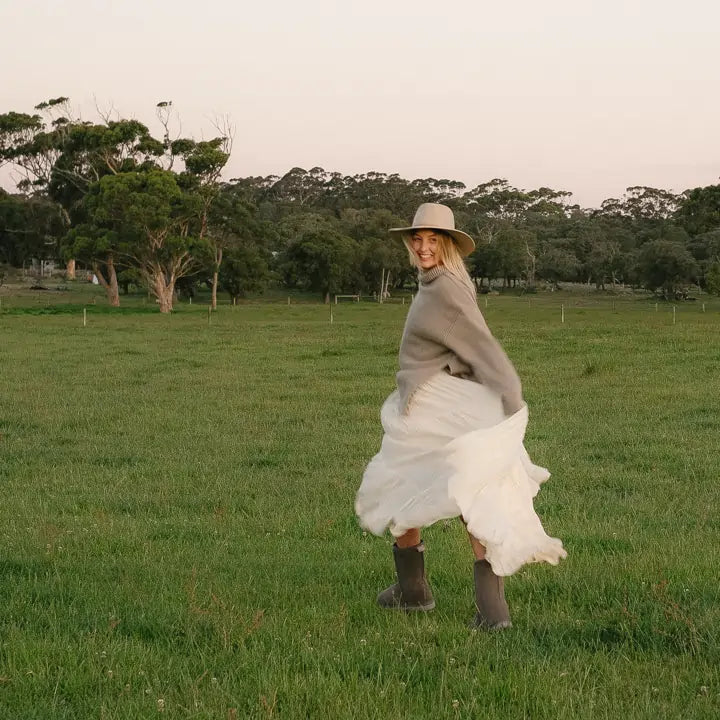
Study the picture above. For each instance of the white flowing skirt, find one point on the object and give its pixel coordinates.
(456, 453)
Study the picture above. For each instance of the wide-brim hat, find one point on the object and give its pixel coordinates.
(433, 216)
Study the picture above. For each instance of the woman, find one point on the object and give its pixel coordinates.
(454, 431)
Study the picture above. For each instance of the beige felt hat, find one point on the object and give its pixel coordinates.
(432, 216)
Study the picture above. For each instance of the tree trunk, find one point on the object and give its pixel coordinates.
(110, 283)
(166, 300)
(218, 261)
(70, 270)
(163, 291)
(113, 292)
(214, 290)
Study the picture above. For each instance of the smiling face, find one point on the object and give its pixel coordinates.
(426, 245)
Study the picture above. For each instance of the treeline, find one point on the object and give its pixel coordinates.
(153, 211)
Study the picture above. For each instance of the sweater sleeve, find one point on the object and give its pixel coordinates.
(469, 337)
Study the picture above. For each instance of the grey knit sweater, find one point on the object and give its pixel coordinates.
(445, 330)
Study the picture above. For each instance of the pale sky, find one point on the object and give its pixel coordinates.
(589, 96)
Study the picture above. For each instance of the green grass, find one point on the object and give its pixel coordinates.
(177, 530)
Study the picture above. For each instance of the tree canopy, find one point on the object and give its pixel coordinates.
(119, 199)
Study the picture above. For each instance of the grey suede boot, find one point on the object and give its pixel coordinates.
(492, 610)
(411, 592)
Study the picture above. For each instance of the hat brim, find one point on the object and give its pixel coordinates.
(464, 242)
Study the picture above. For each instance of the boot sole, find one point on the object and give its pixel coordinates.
(419, 608)
(502, 625)
(409, 608)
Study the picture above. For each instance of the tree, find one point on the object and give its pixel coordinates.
(61, 155)
(666, 265)
(16, 130)
(699, 210)
(485, 261)
(237, 242)
(712, 278)
(557, 262)
(64, 157)
(705, 248)
(30, 227)
(246, 269)
(602, 262)
(379, 257)
(318, 257)
(147, 218)
(516, 254)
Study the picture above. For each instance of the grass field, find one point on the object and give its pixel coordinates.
(177, 532)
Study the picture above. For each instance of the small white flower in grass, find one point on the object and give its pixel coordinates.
(160, 704)
(109, 673)
(455, 704)
(363, 641)
(214, 680)
(703, 689)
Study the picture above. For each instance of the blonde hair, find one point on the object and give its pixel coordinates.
(448, 256)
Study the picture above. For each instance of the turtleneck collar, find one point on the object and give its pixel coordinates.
(427, 276)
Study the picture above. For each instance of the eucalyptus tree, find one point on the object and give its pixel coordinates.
(712, 278)
(65, 157)
(666, 266)
(238, 243)
(649, 213)
(29, 228)
(699, 210)
(318, 256)
(382, 262)
(61, 156)
(705, 248)
(149, 218)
